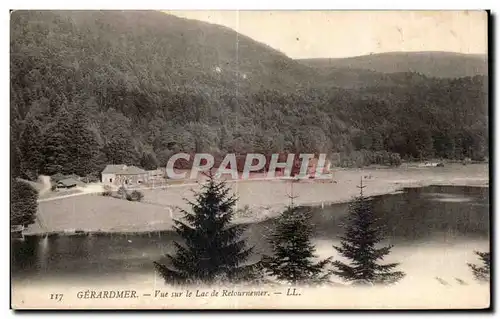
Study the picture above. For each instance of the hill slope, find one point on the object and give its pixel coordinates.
(89, 88)
(432, 64)
(154, 49)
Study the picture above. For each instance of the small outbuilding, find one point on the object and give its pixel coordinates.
(68, 183)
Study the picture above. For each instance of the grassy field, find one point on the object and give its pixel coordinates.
(265, 199)
(99, 213)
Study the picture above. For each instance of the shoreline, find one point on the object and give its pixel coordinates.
(266, 212)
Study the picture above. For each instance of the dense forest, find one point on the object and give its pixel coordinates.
(98, 87)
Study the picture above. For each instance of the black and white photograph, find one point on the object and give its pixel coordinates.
(242, 160)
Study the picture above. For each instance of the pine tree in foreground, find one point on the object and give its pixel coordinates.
(482, 273)
(293, 259)
(358, 246)
(213, 250)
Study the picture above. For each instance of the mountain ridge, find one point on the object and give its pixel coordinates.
(439, 64)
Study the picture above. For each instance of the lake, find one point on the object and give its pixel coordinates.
(438, 227)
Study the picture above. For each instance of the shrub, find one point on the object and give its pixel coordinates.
(122, 192)
(244, 212)
(135, 196)
(107, 193)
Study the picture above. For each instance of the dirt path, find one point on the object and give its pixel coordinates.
(46, 185)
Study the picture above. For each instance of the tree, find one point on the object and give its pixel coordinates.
(293, 259)
(424, 144)
(358, 246)
(120, 149)
(205, 137)
(24, 203)
(31, 150)
(186, 106)
(213, 249)
(57, 147)
(84, 147)
(148, 161)
(482, 273)
(15, 158)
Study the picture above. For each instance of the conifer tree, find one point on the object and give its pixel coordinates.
(482, 273)
(358, 245)
(57, 146)
(84, 146)
(213, 249)
(293, 259)
(148, 161)
(31, 150)
(24, 203)
(15, 153)
(120, 148)
(15, 159)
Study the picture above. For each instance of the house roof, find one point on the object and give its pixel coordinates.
(123, 170)
(59, 177)
(68, 182)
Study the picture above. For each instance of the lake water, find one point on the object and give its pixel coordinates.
(438, 226)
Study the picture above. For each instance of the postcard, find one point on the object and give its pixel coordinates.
(249, 160)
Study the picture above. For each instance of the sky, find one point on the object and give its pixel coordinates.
(336, 34)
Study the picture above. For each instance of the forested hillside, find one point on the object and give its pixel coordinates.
(91, 88)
